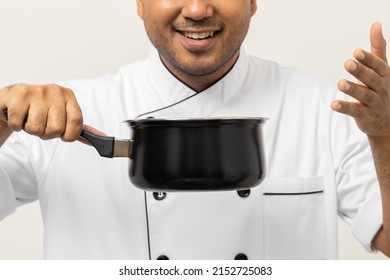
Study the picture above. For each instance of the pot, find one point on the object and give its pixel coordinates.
(190, 154)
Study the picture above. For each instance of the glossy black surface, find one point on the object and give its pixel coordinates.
(197, 154)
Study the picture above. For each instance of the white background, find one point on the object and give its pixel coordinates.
(44, 41)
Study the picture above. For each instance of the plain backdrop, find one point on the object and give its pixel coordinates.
(45, 41)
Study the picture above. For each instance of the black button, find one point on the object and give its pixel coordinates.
(162, 258)
(244, 193)
(241, 257)
(159, 195)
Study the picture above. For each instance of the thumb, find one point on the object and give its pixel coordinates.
(378, 42)
(90, 129)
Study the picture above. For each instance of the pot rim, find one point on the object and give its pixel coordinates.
(193, 121)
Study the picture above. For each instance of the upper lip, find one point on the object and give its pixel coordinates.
(198, 30)
(198, 26)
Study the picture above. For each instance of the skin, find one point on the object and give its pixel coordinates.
(197, 63)
(372, 115)
(53, 110)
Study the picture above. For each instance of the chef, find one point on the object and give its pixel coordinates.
(320, 162)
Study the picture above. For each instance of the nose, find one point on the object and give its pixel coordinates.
(197, 9)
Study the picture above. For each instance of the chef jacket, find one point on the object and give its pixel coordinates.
(318, 166)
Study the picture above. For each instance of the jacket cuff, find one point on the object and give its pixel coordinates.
(368, 221)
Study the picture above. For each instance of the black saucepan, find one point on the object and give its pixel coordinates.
(190, 154)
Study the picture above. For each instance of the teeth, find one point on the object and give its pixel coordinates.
(198, 35)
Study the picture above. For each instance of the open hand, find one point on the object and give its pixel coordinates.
(371, 111)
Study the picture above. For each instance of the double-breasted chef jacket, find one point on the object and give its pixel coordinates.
(318, 165)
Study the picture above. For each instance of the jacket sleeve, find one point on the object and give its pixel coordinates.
(359, 202)
(23, 160)
(7, 194)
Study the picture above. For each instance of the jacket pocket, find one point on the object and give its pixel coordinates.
(294, 218)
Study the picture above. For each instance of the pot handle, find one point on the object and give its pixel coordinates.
(103, 144)
(108, 146)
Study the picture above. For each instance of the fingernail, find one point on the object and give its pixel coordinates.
(352, 67)
(347, 86)
(360, 55)
(336, 106)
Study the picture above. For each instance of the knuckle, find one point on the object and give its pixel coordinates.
(383, 70)
(374, 80)
(66, 138)
(70, 136)
(15, 125)
(18, 88)
(13, 93)
(45, 137)
(55, 130)
(66, 92)
(50, 90)
(384, 87)
(77, 121)
(34, 129)
(15, 121)
(73, 129)
(356, 111)
(367, 98)
(36, 122)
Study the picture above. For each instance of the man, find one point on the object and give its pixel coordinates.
(318, 162)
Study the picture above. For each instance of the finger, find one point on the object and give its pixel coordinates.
(365, 75)
(353, 109)
(359, 92)
(378, 42)
(74, 122)
(372, 61)
(93, 130)
(56, 122)
(36, 121)
(84, 141)
(15, 106)
(17, 116)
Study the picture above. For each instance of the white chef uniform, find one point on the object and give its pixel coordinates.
(318, 165)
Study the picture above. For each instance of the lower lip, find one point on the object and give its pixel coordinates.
(197, 45)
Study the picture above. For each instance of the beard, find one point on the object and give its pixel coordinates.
(198, 67)
(199, 64)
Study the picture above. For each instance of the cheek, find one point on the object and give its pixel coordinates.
(236, 11)
(162, 12)
(166, 4)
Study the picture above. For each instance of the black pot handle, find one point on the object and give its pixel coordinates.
(103, 144)
(108, 146)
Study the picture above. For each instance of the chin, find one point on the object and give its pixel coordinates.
(200, 67)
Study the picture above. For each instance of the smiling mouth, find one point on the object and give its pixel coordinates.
(198, 35)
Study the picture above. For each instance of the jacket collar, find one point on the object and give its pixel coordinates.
(178, 100)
